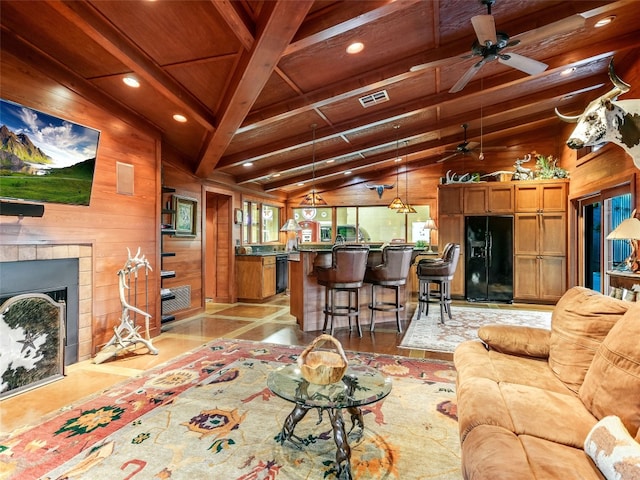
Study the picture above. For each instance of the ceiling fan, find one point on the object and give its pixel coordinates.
(489, 46)
(464, 148)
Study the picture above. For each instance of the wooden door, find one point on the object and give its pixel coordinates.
(475, 200)
(500, 199)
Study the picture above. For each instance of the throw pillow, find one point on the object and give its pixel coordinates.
(516, 340)
(612, 384)
(580, 321)
(613, 450)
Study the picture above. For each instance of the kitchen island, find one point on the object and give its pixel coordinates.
(307, 296)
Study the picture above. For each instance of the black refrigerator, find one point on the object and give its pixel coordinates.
(489, 259)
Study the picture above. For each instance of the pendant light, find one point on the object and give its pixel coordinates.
(406, 207)
(313, 199)
(397, 202)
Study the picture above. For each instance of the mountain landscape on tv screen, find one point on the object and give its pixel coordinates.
(28, 173)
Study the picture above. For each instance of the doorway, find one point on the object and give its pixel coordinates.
(598, 216)
(218, 249)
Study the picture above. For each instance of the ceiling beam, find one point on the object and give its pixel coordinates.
(84, 16)
(276, 27)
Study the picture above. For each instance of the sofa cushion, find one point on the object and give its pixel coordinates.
(516, 340)
(556, 417)
(613, 450)
(612, 383)
(579, 323)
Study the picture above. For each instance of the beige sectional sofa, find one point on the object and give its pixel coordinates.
(530, 400)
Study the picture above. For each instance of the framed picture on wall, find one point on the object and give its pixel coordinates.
(237, 216)
(186, 216)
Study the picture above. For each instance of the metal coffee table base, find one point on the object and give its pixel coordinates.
(340, 436)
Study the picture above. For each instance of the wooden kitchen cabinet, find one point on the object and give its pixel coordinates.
(541, 196)
(540, 256)
(488, 199)
(255, 276)
(450, 199)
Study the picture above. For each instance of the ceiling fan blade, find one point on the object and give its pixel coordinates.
(524, 64)
(566, 25)
(447, 158)
(485, 27)
(473, 155)
(472, 145)
(462, 82)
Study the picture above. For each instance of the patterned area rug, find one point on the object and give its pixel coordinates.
(209, 414)
(428, 333)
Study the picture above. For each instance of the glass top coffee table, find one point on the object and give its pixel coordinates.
(361, 385)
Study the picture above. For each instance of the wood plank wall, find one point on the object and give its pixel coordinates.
(111, 222)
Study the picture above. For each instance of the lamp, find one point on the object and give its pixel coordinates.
(397, 202)
(313, 199)
(629, 229)
(429, 225)
(292, 240)
(406, 208)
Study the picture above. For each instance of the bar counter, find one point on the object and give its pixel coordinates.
(306, 296)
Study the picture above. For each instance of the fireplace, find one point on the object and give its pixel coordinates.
(55, 278)
(63, 272)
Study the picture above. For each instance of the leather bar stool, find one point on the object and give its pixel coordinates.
(346, 274)
(438, 272)
(392, 274)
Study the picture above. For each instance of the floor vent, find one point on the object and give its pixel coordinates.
(181, 301)
(375, 98)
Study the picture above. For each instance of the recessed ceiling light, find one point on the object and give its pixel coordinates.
(275, 175)
(330, 161)
(179, 118)
(301, 184)
(605, 21)
(131, 82)
(398, 159)
(568, 71)
(348, 172)
(247, 164)
(355, 47)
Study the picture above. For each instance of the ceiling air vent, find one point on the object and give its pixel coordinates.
(375, 98)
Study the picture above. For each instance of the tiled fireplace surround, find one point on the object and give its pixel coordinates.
(84, 254)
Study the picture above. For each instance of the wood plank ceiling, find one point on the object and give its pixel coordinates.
(252, 77)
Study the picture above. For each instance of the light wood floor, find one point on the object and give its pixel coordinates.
(269, 322)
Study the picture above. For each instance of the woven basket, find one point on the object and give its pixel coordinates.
(321, 366)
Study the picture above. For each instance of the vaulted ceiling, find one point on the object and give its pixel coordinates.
(252, 77)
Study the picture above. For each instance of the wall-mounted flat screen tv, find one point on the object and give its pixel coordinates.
(44, 158)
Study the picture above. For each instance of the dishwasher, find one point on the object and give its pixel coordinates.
(282, 273)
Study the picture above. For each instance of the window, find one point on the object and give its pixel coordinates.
(261, 223)
(361, 224)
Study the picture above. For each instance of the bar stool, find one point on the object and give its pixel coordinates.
(391, 273)
(346, 274)
(438, 272)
